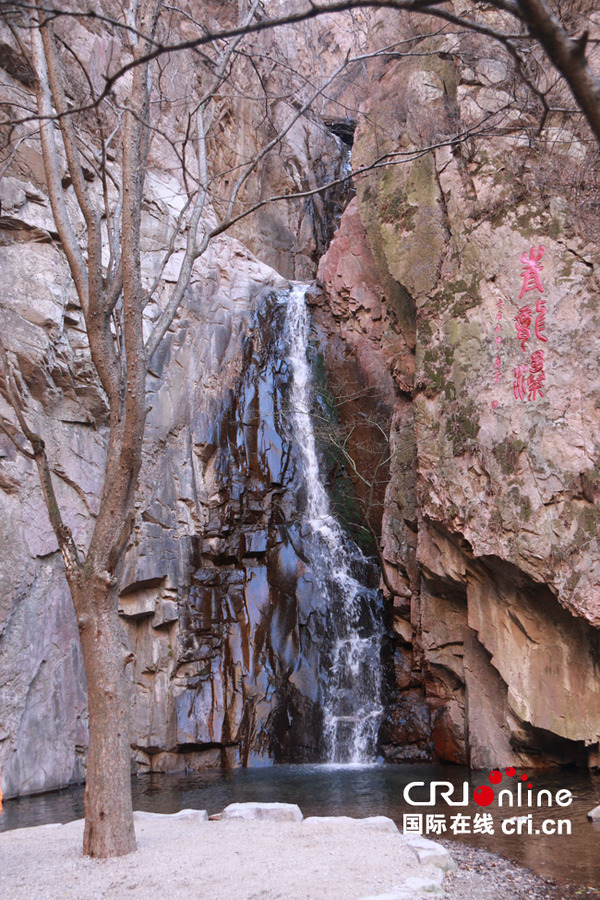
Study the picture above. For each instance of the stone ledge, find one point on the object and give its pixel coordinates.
(378, 823)
(190, 815)
(272, 812)
(430, 853)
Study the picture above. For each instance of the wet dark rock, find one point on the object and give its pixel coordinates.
(247, 656)
(408, 722)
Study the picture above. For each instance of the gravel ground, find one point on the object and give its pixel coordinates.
(317, 859)
(225, 860)
(482, 875)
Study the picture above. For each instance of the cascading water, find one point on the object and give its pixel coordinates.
(352, 705)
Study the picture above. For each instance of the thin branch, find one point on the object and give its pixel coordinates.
(192, 251)
(386, 159)
(5, 427)
(62, 532)
(298, 115)
(90, 214)
(567, 55)
(168, 253)
(53, 177)
(422, 7)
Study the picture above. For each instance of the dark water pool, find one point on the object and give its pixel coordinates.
(363, 791)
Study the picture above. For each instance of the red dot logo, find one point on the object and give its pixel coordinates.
(483, 795)
(510, 771)
(495, 777)
(524, 777)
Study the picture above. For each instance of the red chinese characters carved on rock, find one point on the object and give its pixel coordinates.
(528, 380)
(522, 323)
(540, 322)
(531, 273)
(536, 376)
(519, 385)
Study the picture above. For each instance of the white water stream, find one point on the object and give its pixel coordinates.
(352, 704)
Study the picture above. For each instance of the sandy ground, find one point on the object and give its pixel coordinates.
(314, 859)
(223, 860)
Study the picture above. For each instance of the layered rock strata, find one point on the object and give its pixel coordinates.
(173, 608)
(491, 532)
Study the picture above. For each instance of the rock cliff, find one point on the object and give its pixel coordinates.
(492, 532)
(208, 598)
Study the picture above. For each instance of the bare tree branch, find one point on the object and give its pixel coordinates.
(193, 251)
(9, 432)
(62, 219)
(422, 7)
(128, 415)
(62, 532)
(90, 214)
(387, 159)
(567, 55)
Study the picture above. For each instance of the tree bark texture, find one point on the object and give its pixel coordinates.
(108, 808)
(93, 577)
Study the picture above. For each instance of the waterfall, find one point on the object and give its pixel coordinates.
(352, 707)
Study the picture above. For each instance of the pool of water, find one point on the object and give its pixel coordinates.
(372, 790)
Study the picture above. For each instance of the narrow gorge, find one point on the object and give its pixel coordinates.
(363, 529)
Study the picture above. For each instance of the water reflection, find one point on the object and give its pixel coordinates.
(363, 791)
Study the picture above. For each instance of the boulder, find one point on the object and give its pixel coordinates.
(265, 812)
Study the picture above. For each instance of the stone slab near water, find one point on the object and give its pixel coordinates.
(272, 812)
(265, 855)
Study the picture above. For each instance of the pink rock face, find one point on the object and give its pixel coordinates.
(349, 271)
(366, 357)
(357, 299)
(504, 415)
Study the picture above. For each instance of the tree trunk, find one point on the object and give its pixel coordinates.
(108, 809)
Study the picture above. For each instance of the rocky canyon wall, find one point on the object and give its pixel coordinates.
(490, 532)
(204, 584)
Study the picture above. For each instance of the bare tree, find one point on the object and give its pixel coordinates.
(97, 138)
(537, 19)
